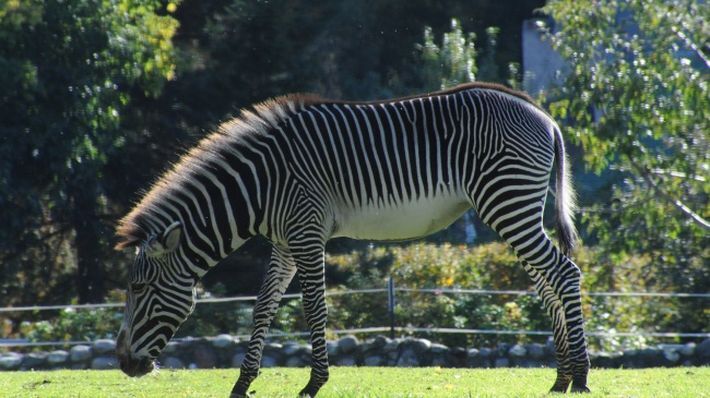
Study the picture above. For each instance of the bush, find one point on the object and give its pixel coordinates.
(75, 325)
(493, 266)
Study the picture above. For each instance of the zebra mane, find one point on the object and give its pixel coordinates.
(136, 225)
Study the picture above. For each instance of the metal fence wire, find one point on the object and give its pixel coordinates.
(392, 328)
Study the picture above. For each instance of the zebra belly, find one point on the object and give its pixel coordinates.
(413, 219)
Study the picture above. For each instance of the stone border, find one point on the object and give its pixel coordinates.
(225, 351)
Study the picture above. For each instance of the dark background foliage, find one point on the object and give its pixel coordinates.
(98, 98)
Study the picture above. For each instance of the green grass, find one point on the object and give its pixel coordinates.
(348, 382)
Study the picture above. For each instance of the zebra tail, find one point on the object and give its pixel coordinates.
(565, 198)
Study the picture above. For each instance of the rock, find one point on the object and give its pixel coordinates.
(306, 351)
(487, 353)
(650, 357)
(536, 350)
(173, 363)
(104, 346)
(438, 349)
(347, 344)
(517, 351)
(374, 360)
(688, 350)
(291, 348)
(439, 360)
(502, 363)
(380, 341)
(237, 359)
(630, 359)
(34, 360)
(364, 348)
(550, 346)
(502, 349)
(672, 356)
(528, 363)
(268, 361)
(272, 354)
(223, 341)
(295, 362)
(421, 345)
(702, 351)
(643, 358)
(438, 355)
(273, 349)
(456, 357)
(10, 361)
(346, 360)
(204, 356)
(171, 347)
(408, 358)
(392, 345)
(80, 353)
(605, 360)
(104, 362)
(332, 347)
(56, 358)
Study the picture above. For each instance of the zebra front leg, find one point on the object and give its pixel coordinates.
(553, 306)
(278, 277)
(311, 274)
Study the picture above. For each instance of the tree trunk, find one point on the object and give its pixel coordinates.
(88, 230)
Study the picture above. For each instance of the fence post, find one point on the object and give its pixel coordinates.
(391, 304)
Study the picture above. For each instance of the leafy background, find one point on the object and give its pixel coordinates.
(98, 97)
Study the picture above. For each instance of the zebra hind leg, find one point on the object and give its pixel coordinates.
(278, 277)
(553, 306)
(563, 278)
(518, 220)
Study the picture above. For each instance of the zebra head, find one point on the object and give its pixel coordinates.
(161, 295)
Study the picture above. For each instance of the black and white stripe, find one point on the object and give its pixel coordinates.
(301, 170)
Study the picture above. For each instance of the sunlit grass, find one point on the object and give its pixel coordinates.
(350, 382)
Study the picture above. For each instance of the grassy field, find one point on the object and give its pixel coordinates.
(351, 382)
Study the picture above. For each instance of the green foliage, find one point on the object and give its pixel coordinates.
(75, 325)
(636, 100)
(423, 265)
(68, 69)
(99, 96)
(492, 266)
(451, 63)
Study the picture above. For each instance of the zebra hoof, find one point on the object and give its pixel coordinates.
(560, 386)
(245, 395)
(308, 392)
(580, 389)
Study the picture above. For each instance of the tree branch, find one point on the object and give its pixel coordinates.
(697, 218)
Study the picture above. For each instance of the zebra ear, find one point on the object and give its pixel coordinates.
(171, 236)
(165, 242)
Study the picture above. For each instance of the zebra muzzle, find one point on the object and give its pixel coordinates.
(135, 367)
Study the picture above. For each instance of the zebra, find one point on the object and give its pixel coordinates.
(299, 170)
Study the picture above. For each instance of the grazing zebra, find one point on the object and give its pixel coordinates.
(300, 170)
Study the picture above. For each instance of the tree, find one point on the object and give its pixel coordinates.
(636, 100)
(67, 71)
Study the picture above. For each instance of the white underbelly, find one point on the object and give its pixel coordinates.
(408, 220)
